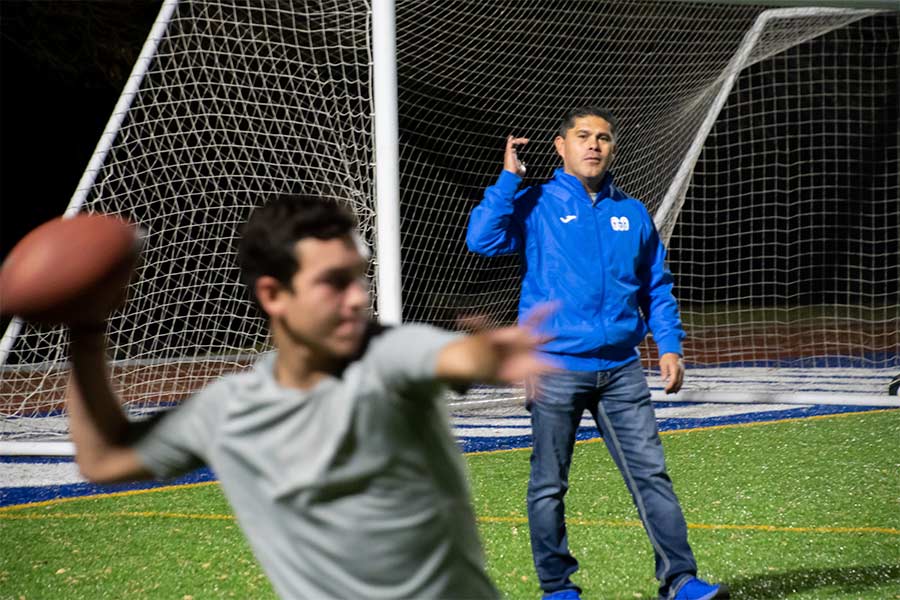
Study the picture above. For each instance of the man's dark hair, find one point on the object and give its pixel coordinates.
(568, 120)
(268, 241)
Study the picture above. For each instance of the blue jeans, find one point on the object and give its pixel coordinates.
(619, 401)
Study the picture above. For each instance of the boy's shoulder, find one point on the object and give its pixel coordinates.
(399, 340)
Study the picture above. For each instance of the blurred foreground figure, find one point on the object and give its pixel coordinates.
(334, 451)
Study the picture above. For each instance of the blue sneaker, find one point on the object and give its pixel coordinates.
(569, 594)
(692, 588)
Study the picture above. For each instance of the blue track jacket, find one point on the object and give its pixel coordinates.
(602, 262)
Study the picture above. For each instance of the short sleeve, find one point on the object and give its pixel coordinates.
(179, 440)
(408, 354)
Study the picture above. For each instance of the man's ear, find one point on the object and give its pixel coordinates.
(560, 142)
(270, 295)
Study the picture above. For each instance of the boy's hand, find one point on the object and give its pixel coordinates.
(504, 355)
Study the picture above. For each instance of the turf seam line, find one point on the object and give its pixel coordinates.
(120, 514)
(724, 526)
(511, 520)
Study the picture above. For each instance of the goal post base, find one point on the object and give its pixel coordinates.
(760, 397)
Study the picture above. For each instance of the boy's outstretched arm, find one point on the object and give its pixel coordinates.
(505, 355)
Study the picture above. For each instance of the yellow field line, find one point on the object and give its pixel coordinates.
(709, 428)
(513, 520)
(123, 514)
(164, 488)
(594, 523)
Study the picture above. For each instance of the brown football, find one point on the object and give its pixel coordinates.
(63, 269)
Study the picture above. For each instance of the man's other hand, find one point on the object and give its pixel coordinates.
(671, 369)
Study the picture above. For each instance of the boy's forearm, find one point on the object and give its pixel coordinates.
(97, 423)
(469, 360)
(101, 415)
(505, 355)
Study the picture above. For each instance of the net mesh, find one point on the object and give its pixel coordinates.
(783, 239)
(240, 102)
(786, 250)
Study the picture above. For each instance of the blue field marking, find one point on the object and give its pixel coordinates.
(517, 429)
(10, 496)
(475, 434)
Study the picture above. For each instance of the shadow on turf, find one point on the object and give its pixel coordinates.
(850, 580)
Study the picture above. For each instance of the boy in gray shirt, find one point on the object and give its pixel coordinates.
(335, 451)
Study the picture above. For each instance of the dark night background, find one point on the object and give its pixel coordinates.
(62, 67)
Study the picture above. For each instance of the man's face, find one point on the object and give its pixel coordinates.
(587, 149)
(327, 307)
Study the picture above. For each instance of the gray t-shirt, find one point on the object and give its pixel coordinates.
(354, 489)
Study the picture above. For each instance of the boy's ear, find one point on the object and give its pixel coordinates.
(269, 293)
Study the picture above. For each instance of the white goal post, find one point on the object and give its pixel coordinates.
(764, 140)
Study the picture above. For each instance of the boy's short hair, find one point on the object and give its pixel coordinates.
(269, 238)
(568, 119)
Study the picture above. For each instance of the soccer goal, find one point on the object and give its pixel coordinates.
(764, 140)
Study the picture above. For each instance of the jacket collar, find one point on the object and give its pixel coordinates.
(573, 184)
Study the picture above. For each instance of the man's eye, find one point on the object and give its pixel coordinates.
(339, 282)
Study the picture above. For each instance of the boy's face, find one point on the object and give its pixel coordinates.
(587, 148)
(327, 308)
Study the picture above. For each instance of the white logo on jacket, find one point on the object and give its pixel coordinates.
(619, 223)
(567, 218)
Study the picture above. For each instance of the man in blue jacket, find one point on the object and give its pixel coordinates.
(594, 251)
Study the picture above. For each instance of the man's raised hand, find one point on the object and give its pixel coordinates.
(511, 160)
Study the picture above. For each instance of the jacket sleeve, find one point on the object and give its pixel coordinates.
(493, 225)
(656, 298)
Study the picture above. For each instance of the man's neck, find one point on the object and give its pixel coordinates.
(592, 185)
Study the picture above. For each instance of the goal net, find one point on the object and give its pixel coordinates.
(765, 142)
(786, 250)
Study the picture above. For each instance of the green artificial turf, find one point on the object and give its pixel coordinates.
(802, 509)
(181, 544)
